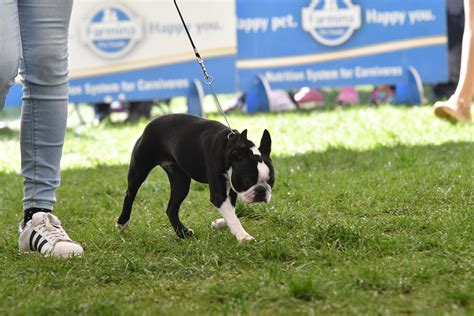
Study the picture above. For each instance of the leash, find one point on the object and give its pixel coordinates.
(207, 78)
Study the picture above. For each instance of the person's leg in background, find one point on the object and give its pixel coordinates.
(44, 69)
(10, 53)
(458, 107)
(455, 25)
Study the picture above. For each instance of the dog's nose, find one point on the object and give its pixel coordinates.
(260, 189)
(260, 193)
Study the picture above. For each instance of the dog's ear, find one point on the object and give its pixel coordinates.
(243, 138)
(265, 144)
(238, 148)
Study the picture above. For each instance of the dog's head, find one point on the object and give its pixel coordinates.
(249, 169)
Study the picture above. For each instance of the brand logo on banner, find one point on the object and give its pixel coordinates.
(112, 31)
(331, 22)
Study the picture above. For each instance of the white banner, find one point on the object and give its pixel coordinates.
(114, 36)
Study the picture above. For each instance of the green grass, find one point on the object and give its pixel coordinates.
(372, 213)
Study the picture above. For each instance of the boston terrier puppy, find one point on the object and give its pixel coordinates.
(189, 147)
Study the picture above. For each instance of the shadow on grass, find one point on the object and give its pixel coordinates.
(389, 179)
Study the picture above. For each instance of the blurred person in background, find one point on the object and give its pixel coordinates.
(455, 33)
(458, 107)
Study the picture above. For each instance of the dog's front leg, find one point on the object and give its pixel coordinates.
(227, 210)
(225, 203)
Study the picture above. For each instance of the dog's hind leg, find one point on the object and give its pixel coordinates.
(136, 177)
(179, 185)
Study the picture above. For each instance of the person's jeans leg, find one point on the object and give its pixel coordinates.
(44, 69)
(10, 51)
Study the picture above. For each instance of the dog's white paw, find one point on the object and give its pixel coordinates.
(190, 232)
(185, 233)
(219, 223)
(245, 238)
(122, 227)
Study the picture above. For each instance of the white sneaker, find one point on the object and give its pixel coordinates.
(44, 234)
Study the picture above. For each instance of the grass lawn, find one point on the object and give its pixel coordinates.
(372, 213)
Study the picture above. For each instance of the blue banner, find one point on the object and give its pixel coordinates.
(340, 42)
(139, 50)
(154, 82)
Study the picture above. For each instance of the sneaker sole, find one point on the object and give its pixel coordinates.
(36, 253)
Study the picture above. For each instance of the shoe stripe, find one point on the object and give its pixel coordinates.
(47, 248)
(37, 241)
(33, 234)
(41, 245)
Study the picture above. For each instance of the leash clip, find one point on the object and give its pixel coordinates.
(232, 133)
(208, 80)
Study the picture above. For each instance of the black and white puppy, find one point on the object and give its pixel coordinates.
(189, 147)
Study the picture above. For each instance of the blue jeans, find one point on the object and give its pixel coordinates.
(33, 39)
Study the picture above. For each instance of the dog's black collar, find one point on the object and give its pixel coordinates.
(231, 134)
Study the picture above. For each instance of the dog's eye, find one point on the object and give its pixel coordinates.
(256, 158)
(239, 154)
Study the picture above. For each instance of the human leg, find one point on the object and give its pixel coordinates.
(458, 107)
(465, 88)
(44, 69)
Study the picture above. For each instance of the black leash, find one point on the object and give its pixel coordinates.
(207, 78)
